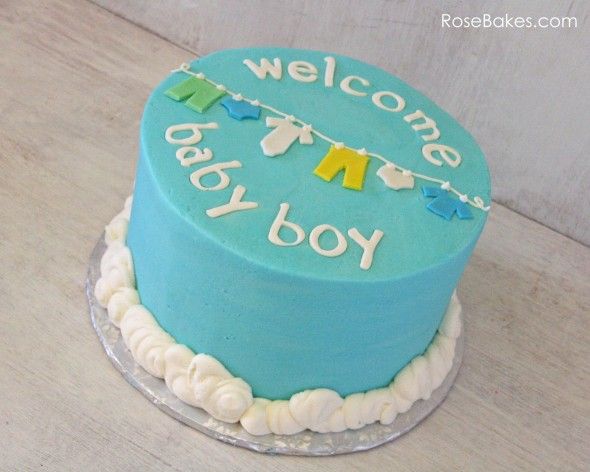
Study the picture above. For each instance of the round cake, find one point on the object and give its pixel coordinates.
(300, 222)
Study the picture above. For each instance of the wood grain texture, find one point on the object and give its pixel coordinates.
(523, 93)
(74, 80)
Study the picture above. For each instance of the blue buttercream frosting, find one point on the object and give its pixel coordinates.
(286, 319)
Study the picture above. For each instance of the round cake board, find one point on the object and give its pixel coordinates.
(306, 443)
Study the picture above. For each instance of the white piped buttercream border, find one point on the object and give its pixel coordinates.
(202, 381)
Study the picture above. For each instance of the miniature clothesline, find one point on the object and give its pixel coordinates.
(476, 202)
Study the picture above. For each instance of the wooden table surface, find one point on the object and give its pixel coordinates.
(73, 81)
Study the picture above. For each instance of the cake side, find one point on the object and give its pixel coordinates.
(283, 333)
(202, 381)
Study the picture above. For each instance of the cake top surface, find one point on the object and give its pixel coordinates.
(294, 160)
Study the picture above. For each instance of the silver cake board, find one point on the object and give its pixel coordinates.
(306, 443)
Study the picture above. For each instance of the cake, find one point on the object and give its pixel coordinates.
(300, 221)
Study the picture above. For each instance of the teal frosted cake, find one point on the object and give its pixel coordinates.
(300, 221)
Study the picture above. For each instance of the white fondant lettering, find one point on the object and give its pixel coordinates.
(377, 99)
(427, 123)
(330, 70)
(194, 128)
(198, 155)
(303, 71)
(235, 204)
(314, 241)
(346, 87)
(275, 70)
(218, 169)
(449, 154)
(368, 245)
(281, 221)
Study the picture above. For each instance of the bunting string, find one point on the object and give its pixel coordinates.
(476, 202)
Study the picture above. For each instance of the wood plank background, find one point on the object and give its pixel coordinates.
(523, 93)
(74, 80)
